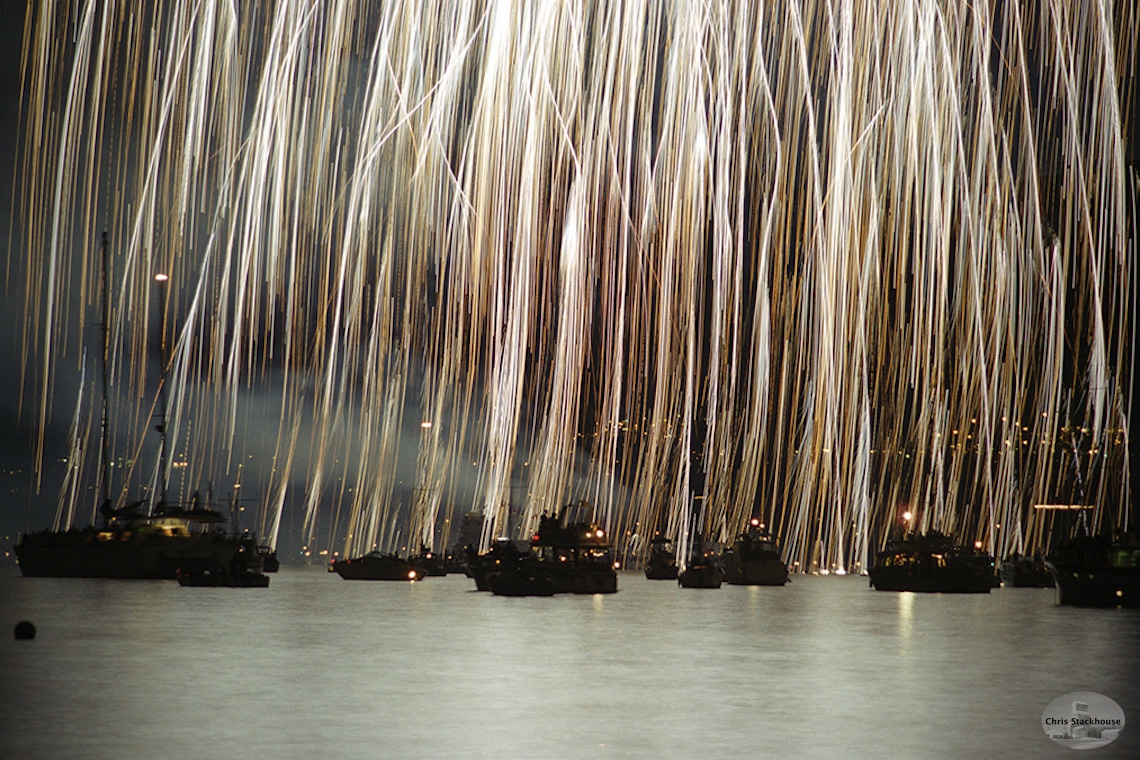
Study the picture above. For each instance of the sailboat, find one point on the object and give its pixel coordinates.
(139, 541)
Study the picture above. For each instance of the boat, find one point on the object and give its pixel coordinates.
(754, 559)
(431, 563)
(134, 545)
(932, 562)
(269, 561)
(662, 562)
(523, 579)
(137, 541)
(568, 555)
(1097, 571)
(207, 578)
(703, 570)
(1019, 571)
(462, 551)
(242, 577)
(375, 566)
(455, 562)
(480, 566)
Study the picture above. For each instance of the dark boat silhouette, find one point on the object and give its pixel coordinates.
(462, 551)
(244, 570)
(431, 563)
(1097, 572)
(662, 562)
(154, 546)
(522, 579)
(932, 563)
(269, 561)
(479, 567)
(138, 541)
(703, 570)
(754, 559)
(227, 578)
(1025, 572)
(375, 566)
(567, 556)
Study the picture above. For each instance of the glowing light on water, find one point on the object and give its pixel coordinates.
(809, 260)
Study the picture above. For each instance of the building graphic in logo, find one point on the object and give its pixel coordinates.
(1083, 720)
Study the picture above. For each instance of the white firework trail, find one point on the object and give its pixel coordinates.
(815, 262)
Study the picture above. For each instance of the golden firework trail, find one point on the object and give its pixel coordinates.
(819, 261)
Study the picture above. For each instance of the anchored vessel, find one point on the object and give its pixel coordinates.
(131, 544)
(479, 567)
(662, 562)
(375, 566)
(934, 563)
(703, 570)
(754, 559)
(567, 556)
(136, 541)
(232, 577)
(431, 563)
(1097, 572)
(269, 561)
(1025, 572)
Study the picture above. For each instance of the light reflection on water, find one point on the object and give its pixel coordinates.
(906, 614)
(316, 666)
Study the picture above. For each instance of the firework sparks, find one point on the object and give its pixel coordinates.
(815, 262)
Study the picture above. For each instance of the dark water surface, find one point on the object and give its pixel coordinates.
(318, 667)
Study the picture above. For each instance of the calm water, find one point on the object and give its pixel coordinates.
(315, 666)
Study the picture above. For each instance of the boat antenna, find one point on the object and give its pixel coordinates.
(160, 507)
(105, 432)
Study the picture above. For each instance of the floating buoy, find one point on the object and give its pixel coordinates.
(25, 630)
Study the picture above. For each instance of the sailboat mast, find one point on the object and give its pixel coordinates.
(697, 408)
(160, 507)
(105, 327)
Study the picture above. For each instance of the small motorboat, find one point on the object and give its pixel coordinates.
(431, 563)
(219, 578)
(1025, 572)
(703, 570)
(375, 566)
(754, 559)
(662, 562)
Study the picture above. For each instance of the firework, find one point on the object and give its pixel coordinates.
(817, 262)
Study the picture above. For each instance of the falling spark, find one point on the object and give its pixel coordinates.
(749, 259)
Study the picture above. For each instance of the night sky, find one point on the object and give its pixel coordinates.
(23, 508)
(15, 440)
